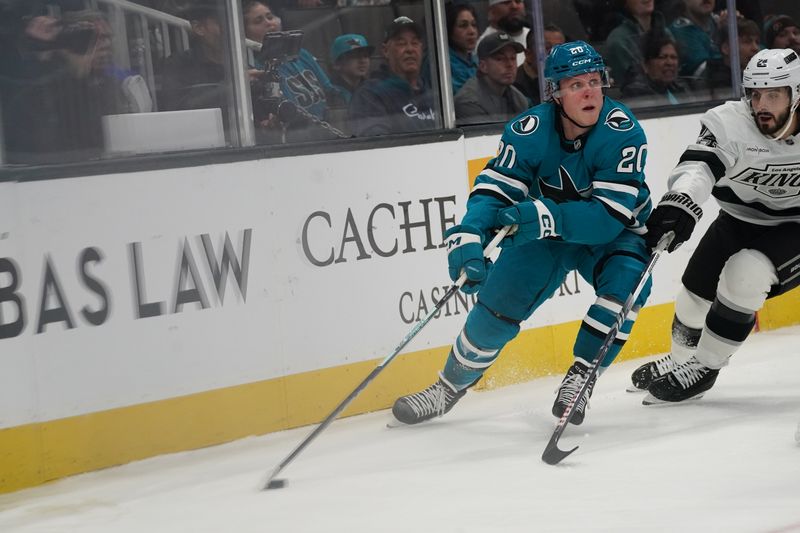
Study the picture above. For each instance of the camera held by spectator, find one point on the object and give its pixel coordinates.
(277, 49)
(78, 36)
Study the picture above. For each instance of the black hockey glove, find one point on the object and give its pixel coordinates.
(675, 212)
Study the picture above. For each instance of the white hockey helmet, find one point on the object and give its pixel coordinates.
(774, 68)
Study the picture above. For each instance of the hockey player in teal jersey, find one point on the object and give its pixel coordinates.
(569, 176)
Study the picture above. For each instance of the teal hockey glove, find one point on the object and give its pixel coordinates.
(532, 218)
(465, 253)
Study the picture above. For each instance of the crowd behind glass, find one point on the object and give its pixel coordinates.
(73, 71)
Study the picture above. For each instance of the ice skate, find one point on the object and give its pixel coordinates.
(434, 401)
(569, 387)
(642, 377)
(684, 382)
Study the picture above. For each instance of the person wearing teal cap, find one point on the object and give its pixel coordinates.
(350, 63)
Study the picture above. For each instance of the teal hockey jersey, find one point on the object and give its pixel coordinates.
(594, 186)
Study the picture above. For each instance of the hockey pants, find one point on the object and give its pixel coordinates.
(525, 276)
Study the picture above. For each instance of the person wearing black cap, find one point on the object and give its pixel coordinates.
(491, 95)
(396, 99)
(782, 32)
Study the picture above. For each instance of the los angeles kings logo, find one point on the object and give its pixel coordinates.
(774, 181)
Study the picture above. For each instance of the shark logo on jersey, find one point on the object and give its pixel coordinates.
(618, 120)
(566, 191)
(526, 125)
(774, 181)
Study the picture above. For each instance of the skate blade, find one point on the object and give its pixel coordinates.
(652, 400)
(633, 388)
(395, 423)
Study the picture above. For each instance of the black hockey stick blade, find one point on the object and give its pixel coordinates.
(275, 484)
(552, 454)
(272, 481)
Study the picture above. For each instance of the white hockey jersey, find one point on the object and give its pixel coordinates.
(753, 178)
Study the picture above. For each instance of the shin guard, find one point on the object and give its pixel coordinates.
(477, 346)
(595, 326)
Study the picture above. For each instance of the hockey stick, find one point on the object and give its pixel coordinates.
(271, 482)
(552, 454)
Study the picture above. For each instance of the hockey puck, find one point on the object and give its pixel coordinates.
(276, 484)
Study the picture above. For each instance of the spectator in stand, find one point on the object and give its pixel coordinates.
(623, 47)
(718, 71)
(527, 80)
(697, 35)
(396, 99)
(462, 36)
(60, 83)
(782, 32)
(304, 86)
(657, 84)
(350, 58)
(195, 79)
(553, 35)
(259, 20)
(491, 95)
(508, 16)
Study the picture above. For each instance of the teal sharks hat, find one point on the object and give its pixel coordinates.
(347, 43)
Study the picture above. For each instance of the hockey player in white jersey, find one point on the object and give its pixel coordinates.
(748, 157)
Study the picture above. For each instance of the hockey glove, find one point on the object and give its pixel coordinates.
(532, 218)
(675, 212)
(465, 253)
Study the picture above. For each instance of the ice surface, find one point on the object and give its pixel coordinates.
(727, 462)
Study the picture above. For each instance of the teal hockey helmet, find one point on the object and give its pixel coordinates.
(572, 59)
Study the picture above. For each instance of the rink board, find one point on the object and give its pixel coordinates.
(162, 311)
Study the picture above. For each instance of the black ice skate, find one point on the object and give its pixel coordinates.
(569, 387)
(687, 381)
(436, 400)
(643, 376)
